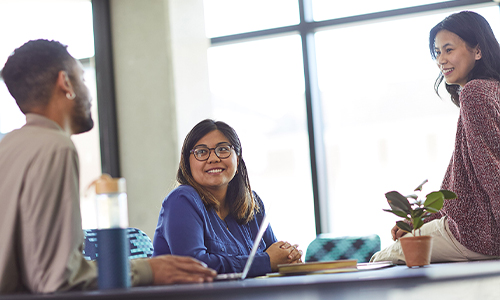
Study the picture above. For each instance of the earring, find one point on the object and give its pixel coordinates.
(70, 95)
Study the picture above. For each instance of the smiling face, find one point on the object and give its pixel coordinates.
(454, 57)
(214, 174)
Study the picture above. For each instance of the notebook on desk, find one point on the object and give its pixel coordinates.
(334, 266)
(256, 242)
(328, 267)
(375, 265)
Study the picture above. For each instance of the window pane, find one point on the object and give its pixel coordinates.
(42, 20)
(385, 128)
(258, 89)
(69, 22)
(225, 17)
(328, 9)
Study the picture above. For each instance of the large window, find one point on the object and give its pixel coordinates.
(245, 16)
(381, 126)
(258, 89)
(327, 9)
(67, 21)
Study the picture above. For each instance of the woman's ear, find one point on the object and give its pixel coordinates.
(477, 52)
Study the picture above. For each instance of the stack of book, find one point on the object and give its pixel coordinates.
(320, 267)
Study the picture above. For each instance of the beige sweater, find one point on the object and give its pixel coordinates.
(40, 223)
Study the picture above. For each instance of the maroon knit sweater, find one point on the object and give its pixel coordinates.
(474, 170)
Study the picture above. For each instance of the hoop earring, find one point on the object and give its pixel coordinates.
(70, 95)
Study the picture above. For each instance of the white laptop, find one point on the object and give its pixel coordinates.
(256, 242)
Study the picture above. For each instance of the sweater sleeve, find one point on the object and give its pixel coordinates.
(52, 233)
(480, 113)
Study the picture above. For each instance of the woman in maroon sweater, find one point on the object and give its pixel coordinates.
(467, 228)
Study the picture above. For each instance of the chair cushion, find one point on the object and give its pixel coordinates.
(140, 244)
(326, 248)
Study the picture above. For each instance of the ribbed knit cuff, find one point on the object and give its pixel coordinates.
(141, 272)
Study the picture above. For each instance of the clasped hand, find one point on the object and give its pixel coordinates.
(283, 253)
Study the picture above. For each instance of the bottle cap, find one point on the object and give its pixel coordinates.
(108, 185)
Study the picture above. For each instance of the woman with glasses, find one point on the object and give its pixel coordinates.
(213, 215)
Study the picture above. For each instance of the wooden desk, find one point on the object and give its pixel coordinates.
(471, 280)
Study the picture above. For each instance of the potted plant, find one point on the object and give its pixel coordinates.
(416, 248)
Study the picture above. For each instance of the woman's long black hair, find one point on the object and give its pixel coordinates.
(475, 31)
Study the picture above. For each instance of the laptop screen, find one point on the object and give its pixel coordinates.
(256, 243)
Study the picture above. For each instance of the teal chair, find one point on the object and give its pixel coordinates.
(140, 244)
(327, 247)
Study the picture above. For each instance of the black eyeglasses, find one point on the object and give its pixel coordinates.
(202, 153)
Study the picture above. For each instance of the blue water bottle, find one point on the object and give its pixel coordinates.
(112, 241)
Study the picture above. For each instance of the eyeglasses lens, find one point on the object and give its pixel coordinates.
(203, 153)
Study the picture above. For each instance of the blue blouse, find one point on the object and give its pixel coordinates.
(185, 227)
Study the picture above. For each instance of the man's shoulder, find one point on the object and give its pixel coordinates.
(27, 145)
(38, 137)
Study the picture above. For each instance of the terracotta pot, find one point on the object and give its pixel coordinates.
(417, 250)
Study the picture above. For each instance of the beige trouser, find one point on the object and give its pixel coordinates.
(445, 246)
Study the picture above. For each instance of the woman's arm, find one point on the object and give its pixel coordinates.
(189, 231)
(481, 120)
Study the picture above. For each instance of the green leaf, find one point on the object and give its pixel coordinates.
(419, 188)
(417, 223)
(397, 213)
(398, 202)
(418, 213)
(431, 210)
(448, 194)
(403, 226)
(427, 214)
(434, 200)
(419, 203)
(413, 196)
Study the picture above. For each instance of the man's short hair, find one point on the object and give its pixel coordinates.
(31, 71)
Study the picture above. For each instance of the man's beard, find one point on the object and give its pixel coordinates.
(82, 124)
(80, 121)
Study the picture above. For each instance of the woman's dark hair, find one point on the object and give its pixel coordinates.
(239, 194)
(475, 31)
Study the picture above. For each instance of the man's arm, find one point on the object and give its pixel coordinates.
(53, 236)
(168, 269)
(51, 225)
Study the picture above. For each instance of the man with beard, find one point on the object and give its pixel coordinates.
(40, 222)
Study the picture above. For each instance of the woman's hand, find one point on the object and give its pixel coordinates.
(397, 233)
(283, 253)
